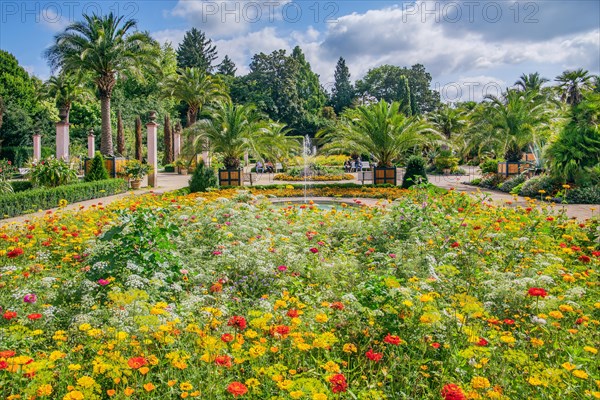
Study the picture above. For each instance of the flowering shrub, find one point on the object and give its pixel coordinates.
(51, 172)
(224, 295)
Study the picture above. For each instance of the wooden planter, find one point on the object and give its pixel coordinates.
(384, 175)
(512, 168)
(230, 177)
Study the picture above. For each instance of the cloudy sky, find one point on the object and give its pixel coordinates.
(471, 48)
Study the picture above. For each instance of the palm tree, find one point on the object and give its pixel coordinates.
(275, 143)
(195, 88)
(572, 84)
(66, 89)
(530, 82)
(103, 46)
(448, 120)
(379, 129)
(231, 130)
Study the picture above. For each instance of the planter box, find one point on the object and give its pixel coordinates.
(528, 157)
(512, 168)
(114, 165)
(384, 175)
(230, 177)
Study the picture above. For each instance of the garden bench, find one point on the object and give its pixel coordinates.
(365, 176)
(278, 167)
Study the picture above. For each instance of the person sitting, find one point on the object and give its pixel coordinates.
(358, 164)
(259, 167)
(269, 167)
(348, 166)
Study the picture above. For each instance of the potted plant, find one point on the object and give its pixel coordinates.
(136, 171)
(182, 166)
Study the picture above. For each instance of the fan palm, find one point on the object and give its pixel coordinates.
(196, 88)
(530, 82)
(66, 89)
(379, 129)
(230, 130)
(274, 142)
(103, 46)
(572, 84)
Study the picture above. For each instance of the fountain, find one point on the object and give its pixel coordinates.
(307, 152)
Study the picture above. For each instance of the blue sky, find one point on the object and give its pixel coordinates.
(471, 48)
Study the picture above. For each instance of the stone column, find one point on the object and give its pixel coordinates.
(37, 147)
(246, 160)
(62, 136)
(205, 152)
(151, 129)
(176, 144)
(91, 144)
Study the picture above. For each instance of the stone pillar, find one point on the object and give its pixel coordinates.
(176, 144)
(91, 144)
(151, 129)
(246, 161)
(37, 147)
(205, 152)
(62, 136)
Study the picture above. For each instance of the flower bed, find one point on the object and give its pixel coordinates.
(324, 178)
(221, 295)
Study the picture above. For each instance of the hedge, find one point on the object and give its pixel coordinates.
(13, 204)
(20, 186)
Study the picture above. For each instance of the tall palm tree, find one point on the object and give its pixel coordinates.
(275, 143)
(231, 130)
(195, 88)
(448, 120)
(530, 82)
(103, 46)
(572, 84)
(66, 89)
(379, 129)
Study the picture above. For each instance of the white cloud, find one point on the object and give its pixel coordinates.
(53, 20)
(173, 36)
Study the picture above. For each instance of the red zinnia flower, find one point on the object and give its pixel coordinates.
(293, 313)
(455, 244)
(435, 345)
(337, 305)
(482, 342)
(238, 322)
(3, 365)
(338, 383)
(223, 361)
(9, 315)
(373, 356)
(137, 362)
(237, 389)
(508, 321)
(15, 253)
(227, 337)
(34, 316)
(216, 288)
(281, 330)
(391, 339)
(314, 250)
(7, 353)
(537, 292)
(584, 259)
(451, 391)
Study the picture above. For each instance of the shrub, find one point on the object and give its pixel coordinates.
(52, 172)
(97, 170)
(489, 166)
(491, 180)
(415, 172)
(43, 198)
(170, 168)
(202, 179)
(509, 184)
(19, 155)
(533, 186)
(21, 186)
(584, 195)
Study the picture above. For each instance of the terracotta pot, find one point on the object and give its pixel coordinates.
(183, 171)
(135, 183)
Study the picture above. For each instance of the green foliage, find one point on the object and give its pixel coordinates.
(202, 179)
(489, 167)
(342, 93)
(491, 180)
(14, 204)
(20, 186)
(227, 67)
(532, 187)
(584, 195)
(135, 169)
(446, 162)
(97, 170)
(20, 155)
(415, 172)
(51, 172)
(196, 51)
(511, 183)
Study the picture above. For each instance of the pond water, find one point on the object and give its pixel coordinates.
(321, 205)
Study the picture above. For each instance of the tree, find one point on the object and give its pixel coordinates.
(310, 92)
(530, 82)
(1, 110)
(275, 143)
(448, 120)
(230, 131)
(195, 88)
(226, 67)
(120, 134)
(195, 51)
(138, 140)
(65, 89)
(380, 130)
(97, 171)
(572, 84)
(168, 140)
(404, 96)
(577, 147)
(342, 93)
(103, 46)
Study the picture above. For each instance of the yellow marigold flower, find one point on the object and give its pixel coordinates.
(331, 366)
(250, 334)
(568, 366)
(591, 349)
(479, 382)
(565, 308)
(74, 367)
(319, 396)
(111, 392)
(186, 386)
(257, 351)
(322, 318)
(86, 382)
(535, 342)
(303, 346)
(252, 382)
(44, 390)
(568, 278)
(426, 298)
(533, 381)
(55, 355)
(171, 383)
(149, 387)
(580, 374)
(556, 314)
(144, 370)
(74, 395)
(349, 348)
(195, 394)
(507, 339)
(296, 394)
(85, 327)
(128, 391)
(286, 384)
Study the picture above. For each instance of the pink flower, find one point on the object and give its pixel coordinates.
(320, 243)
(282, 268)
(216, 253)
(30, 298)
(103, 282)
(184, 271)
(314, 250)
(392, 255)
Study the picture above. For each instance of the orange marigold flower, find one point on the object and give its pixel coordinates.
(237, 389)
(137, 362)
(392, 339)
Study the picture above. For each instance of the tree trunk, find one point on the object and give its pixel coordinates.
(168, 138)
(106, 142)
(138, 139)
(192, 115)
(120, 135)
